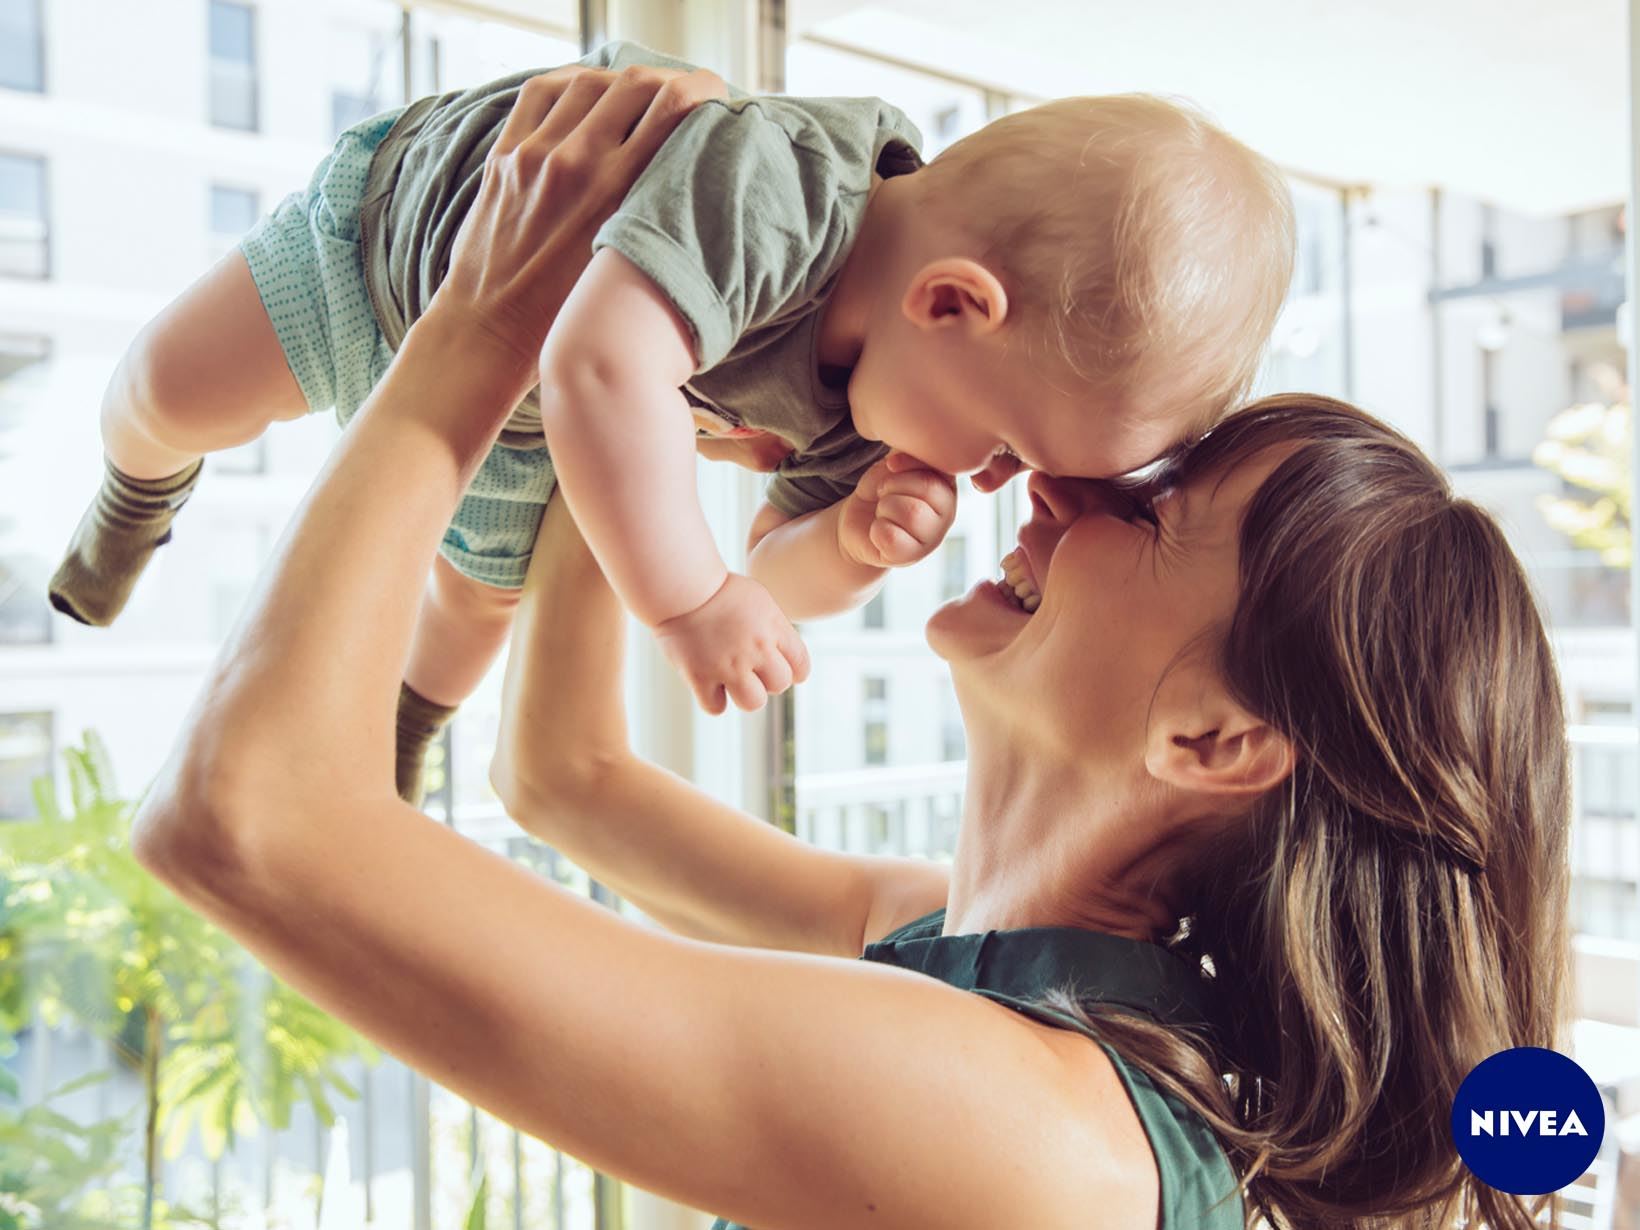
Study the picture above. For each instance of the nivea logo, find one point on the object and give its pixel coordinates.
(1528, 1121)
(1540, 1121)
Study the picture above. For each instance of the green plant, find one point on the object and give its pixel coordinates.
(87, 934)
(1589, 447)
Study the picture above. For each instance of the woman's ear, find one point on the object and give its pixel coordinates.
(1216, 747)
(955, 290)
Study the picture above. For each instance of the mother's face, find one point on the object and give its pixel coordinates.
(1123, 603)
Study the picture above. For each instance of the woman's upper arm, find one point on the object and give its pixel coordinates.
(777, 1089)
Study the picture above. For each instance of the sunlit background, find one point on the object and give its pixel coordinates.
(1461, 173)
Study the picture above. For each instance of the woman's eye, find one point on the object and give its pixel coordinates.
(1141, 512)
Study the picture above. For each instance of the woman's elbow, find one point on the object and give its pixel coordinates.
(195, 824)
(546, 791)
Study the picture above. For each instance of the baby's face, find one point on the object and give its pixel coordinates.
(954, 408)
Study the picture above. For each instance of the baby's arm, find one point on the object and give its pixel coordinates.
(623, 445)
(834, 559)
(623, 442)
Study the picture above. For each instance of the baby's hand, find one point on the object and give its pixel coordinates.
(737, 642)
(898, 514)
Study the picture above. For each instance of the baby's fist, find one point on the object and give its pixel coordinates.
(900, 511)
(738, 645)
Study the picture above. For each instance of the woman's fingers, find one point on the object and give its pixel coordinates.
(676, 97)
(536, 98)
(621, 105)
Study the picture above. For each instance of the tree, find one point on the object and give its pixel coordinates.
(87, 934)
(1589, 447)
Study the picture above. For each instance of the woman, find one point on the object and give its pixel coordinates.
(1291, 693)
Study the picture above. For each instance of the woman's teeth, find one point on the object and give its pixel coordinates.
(1016, 579)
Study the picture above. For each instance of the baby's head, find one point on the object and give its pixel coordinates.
(1087, 283)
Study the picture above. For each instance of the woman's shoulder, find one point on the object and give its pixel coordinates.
(1195, 1183)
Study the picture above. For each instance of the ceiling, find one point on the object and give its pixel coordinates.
(1523, 103)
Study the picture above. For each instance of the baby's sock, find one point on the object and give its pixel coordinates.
(420, 721)
(111, 546)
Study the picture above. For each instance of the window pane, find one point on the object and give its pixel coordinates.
(366, 65)
(24, 234)
(233, 210)
(942, 110)
(25, 618)
(233, 81)
(25, 754)
(21, 66)
(233, 32)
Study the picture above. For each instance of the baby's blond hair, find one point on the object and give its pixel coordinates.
(1150, 250)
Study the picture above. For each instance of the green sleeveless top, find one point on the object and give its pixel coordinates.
(1018, 968)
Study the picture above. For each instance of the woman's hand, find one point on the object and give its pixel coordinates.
(575, 143)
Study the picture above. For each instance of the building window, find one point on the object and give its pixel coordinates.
(233, 210)
(1491, 416)
(874, 718)
(368, 73)
(25, 237)
(22, 46)
(1489, 242)
(233, 66)
(25, 754)
(25, 619)
(953, 738)
(874, 613)
(953, 567)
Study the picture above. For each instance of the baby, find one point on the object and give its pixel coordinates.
(1074, 288)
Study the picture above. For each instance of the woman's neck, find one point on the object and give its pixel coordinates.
(1042, 846)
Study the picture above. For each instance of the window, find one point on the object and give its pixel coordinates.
(25, 237)
(874, 718)
(873, 614)
(233, 210)
(25, 617)
(953, 738)
(953, 567)
(1491, 418)
(25, 753)
(22, 46)
(233, 66)
(1489, 242)
(367, 66)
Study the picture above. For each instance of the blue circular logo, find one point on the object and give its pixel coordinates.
(1528, 1121)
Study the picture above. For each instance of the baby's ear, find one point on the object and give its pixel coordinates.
(955, 291)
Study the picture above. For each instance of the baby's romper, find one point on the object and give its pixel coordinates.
(742, 219)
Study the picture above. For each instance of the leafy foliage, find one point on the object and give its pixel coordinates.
(87, 935)
(1589, 448)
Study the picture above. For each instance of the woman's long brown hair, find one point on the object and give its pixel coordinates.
(1397, 911)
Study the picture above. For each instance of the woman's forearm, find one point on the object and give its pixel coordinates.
(564, 769)
(304, 687)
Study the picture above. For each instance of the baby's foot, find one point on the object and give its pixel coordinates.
(419, 723)
(127, 521)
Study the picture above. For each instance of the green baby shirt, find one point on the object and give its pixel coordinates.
(743, 220)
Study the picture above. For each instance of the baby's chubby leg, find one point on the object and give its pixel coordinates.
(207, 373)
(459, 630)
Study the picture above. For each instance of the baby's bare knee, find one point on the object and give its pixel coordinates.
(460, 595)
